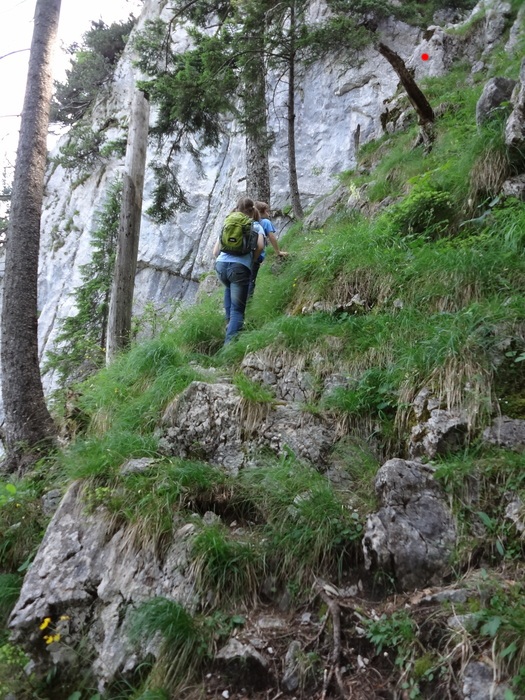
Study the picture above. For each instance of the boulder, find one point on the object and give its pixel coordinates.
(443, 431)
(212, 422)
(506, 432)
(479, 683)
(495, 92)
(515, 186)
(413, 533)
(83, 584)
(515, 127)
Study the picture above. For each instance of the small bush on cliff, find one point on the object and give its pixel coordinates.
(92, 65)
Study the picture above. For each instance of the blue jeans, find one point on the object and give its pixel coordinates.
(255, 271)
(236, 278)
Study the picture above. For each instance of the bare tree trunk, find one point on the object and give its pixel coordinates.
(292, 165)
(256, 124)
(28, 426)
(119, 323)
(257, 167)
(257, 146)
(418, 100)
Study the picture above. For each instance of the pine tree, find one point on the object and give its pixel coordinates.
(92, 65)
(28, 426)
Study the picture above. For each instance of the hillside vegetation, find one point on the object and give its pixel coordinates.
(422, 285)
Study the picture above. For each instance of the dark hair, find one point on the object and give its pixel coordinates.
(246, 206)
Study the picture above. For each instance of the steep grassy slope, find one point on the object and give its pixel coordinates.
(425, 289)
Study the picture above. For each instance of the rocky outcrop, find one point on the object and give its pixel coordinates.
(506, 432)
(212, 422)
(495, 92)
(413, 534)
(287, 377)
(479, 683)
(83, 585)
(438, 430)
(515, 128)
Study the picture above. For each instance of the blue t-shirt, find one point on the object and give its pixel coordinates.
(267, 227)
(243, 259)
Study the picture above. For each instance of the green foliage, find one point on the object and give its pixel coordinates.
(495, 476)
(376, 394)
(501, 619)
(252, 391)
(308, 528)
(13, 678)
(424, 212)
(188, 641)
(396, 631)
(184, 647)
(147, 501)
(10, 585)
(200, 328)
(192, 91)
(122, 403)
(82, 151)
(396, 635)
(92, 66)
(21, 524)
(81, 340)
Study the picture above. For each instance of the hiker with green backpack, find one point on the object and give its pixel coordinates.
(240, 243)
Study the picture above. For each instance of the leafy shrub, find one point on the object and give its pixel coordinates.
(426, 212)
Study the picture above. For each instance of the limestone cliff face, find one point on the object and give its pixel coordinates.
(334, 99)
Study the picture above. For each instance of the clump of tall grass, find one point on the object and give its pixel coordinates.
(308, 528)
(148, 505)
(181, 643)
(227, 567)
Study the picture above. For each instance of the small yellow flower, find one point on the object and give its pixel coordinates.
(45, 623)
(50, 638)
(64, 617)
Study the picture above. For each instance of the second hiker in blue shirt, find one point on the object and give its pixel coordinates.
(269, 235)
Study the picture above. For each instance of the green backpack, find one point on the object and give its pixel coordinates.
(238, 236)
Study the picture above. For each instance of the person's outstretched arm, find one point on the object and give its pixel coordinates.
(275, 245)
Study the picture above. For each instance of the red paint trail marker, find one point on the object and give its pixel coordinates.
(425, 56)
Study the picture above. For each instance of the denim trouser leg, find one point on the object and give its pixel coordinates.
(255, 272)
(236, 279)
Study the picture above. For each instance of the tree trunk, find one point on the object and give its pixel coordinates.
(119, 323)
(418, 100)
(257, 146)
(28, 425)
(292, 166)
(257, 167)
(256, 125)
